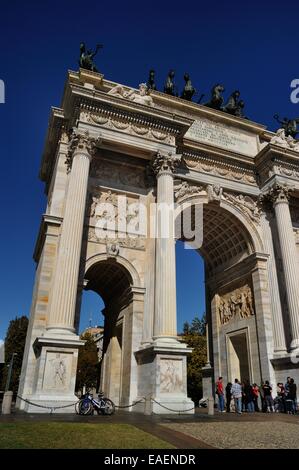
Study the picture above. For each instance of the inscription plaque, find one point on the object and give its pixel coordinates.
(224, 136)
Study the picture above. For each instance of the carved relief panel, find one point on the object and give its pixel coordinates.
(171, 376)
(235, 305)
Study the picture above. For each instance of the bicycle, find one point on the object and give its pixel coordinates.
(87, 405)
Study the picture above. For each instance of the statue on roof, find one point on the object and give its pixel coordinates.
(216, 100)
(151, 85)
(86, 57)
(289, 125)
(170, 87)
(189, 89)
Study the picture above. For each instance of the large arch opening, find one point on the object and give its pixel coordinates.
(225, 292)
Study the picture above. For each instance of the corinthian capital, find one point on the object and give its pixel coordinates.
(280, 193)
(83, 143)
(165, 163)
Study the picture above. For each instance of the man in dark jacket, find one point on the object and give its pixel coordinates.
(292, 395)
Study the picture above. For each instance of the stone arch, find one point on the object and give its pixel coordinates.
(243, 232)
(120, 260)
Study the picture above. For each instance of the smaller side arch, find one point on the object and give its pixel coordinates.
(94, 259)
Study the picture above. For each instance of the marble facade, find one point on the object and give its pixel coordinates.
(108, 141)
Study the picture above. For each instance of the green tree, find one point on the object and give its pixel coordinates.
(88, 363)
(15, 343)
(196, 339)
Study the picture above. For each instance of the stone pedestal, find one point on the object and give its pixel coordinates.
(55, 374)
(6, 404)
(162, 373)
(207, 381)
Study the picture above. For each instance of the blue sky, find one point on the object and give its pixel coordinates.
(251, 47)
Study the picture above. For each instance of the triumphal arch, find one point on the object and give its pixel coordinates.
(113, 152)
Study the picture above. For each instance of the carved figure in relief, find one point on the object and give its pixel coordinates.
(185, 189)
(59, 371)
(237, 304)
(214, 192)
(280, 138)
(141, 96)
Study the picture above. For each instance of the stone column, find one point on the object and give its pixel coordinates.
(64, 292)
(278, 326)
(280, 197)
(165, 325)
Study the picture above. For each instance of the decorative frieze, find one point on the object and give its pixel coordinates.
(186, 190)
(205, 164)
(235, 305)
(248, 206)
(135, 127)
(136, 242)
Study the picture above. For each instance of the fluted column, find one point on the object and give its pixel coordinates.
(165, 322)
(278, 326)
(64, 292)
(280, 196)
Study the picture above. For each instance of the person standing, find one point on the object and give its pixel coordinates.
(267, 390)
(255, 394)
(248, 397)
(228, 393)
(292, 395)
(220, 393)
(237, 396)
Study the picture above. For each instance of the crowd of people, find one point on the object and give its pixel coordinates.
(244, 397)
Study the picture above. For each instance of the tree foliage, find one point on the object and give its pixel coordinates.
(194, 336)
(15, 343)
(88, 364)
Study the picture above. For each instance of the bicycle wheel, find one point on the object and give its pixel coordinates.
(109, 407)
(77, 407)
(85, 407)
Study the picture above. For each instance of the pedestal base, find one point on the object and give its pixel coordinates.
(55, 375)
(207, 382)
(162, 379)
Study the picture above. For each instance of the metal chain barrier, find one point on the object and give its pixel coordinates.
(169, 409)
(51, 408)
(133, 404)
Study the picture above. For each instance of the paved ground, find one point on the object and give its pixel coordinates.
(201, 431)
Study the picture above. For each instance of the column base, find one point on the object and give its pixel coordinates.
(54, 374)
(162, 378)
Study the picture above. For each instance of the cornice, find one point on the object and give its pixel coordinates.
(210, 163)
(271, 151)
(78, 97)
(57, 122)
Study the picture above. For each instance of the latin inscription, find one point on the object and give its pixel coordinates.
(224, 136)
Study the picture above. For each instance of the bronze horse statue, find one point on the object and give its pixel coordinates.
(189, 91)
(170, 88)
(216, 100)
